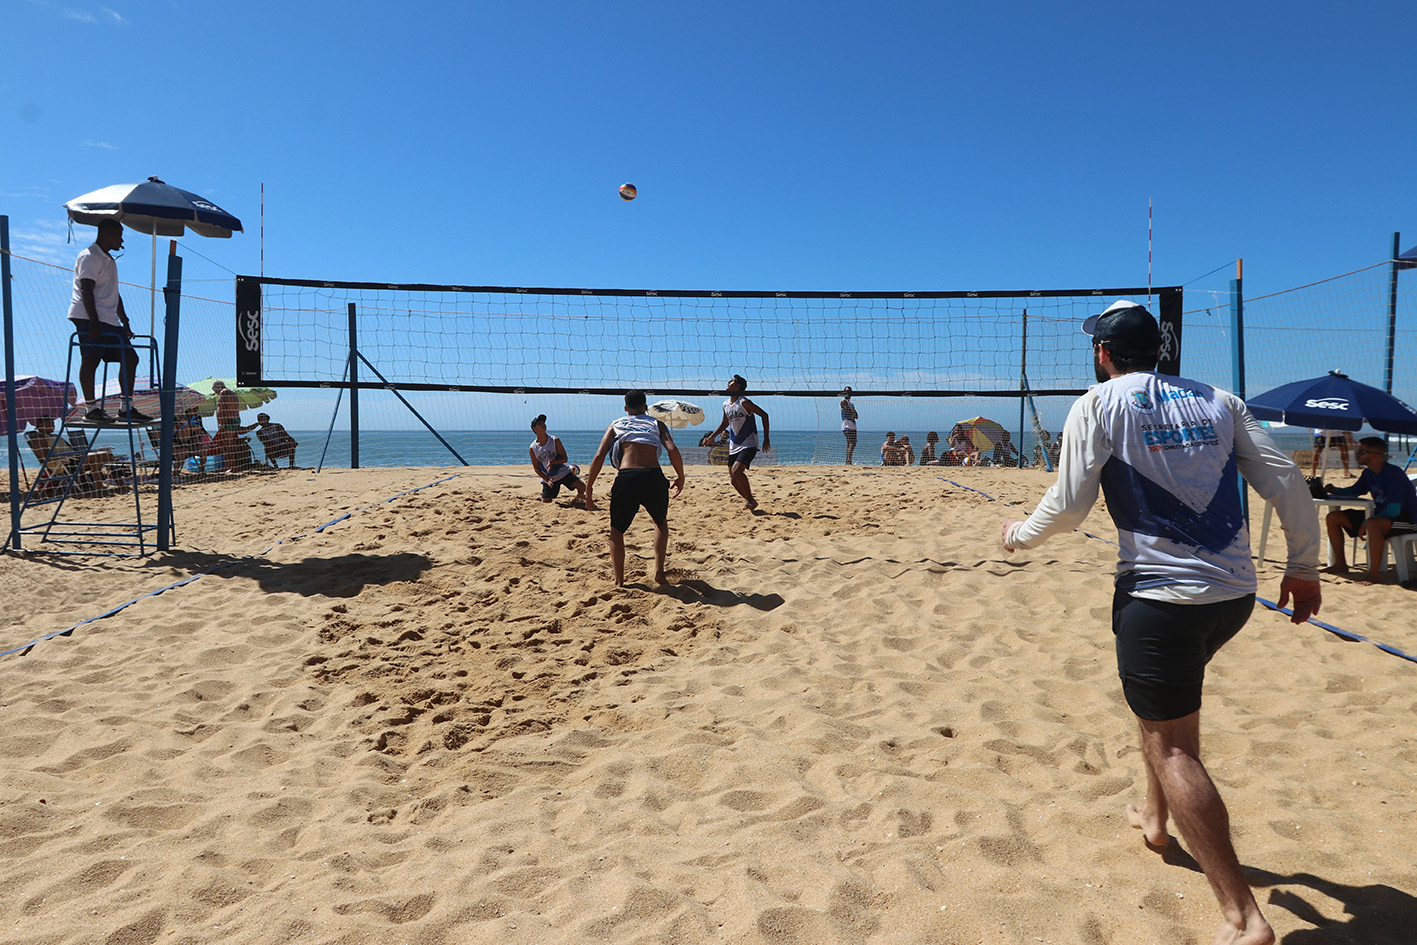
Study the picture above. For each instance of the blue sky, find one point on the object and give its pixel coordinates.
(813, 146)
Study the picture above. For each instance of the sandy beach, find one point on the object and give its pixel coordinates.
(851, 718)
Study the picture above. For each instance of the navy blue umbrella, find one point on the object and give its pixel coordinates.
(153, 207)
(1334, 402)
(1408, 260)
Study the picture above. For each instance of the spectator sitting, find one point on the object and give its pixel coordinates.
(927, 455)
(962, 450)
(189, 441)
(277, 443)
(891, 453)
(46, 444)
(1004, 452)
(907, 452)
(1394, 507)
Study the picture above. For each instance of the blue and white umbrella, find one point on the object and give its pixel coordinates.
(153, 207)
(1334, 402)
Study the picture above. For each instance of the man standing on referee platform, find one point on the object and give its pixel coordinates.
(738, 414)
(96, 309)
(1165, 452)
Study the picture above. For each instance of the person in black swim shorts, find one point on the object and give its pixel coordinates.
(640, 483)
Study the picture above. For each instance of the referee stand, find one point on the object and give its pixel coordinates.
(136, 533)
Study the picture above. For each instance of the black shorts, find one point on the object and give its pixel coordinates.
(553, 489)
(850, 437)
(110, 345)
(635, 488)
(1356, 518)
(1163, 648)
(743, 457)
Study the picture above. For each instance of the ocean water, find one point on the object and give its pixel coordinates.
(509, 447)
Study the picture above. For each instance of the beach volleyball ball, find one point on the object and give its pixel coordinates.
(627, 191)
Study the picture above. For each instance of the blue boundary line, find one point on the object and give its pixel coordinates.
(1338, 631)
(214, 568)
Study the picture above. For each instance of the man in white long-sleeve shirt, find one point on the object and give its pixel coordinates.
(1165, 451)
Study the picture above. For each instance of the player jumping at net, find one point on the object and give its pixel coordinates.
(640, 483)
(738, 414)
(1165, 451)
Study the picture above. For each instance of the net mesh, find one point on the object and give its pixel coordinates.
(945, 344)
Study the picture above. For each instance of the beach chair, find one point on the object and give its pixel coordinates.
(61, 466)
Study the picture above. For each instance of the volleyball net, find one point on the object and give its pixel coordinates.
(503, 340)
(567, 343)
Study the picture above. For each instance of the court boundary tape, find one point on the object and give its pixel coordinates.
(25, 648)
(1337, 631)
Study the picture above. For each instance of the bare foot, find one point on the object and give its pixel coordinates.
(1334, 569)
(661, 578)
(751, 504)
(1256, 932)
(1153, 834)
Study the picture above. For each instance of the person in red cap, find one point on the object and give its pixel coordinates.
(1165, 451)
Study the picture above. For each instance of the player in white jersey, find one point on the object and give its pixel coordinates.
(738, 416)
(639, 482)
(553, 468)
(1165, 451)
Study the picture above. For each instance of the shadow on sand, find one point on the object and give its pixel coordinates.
(1376, 915)
(695, 591)
(340, 576)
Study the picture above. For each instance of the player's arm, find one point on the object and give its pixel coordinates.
(606, 441)
(1273, 475)
(536, 464)
(754, 408)
(560, 452)
(710, 437)
(86, 287)
(1067, 502)
(123, 317)
(675, 459)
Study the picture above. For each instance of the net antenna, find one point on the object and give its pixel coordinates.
(1148, 254)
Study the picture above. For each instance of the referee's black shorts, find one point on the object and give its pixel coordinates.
(1163, 649)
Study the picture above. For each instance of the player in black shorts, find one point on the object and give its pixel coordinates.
(640, 483)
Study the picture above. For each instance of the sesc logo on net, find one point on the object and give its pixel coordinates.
(1327, 403)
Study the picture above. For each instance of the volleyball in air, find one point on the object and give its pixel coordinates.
(627, 191)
